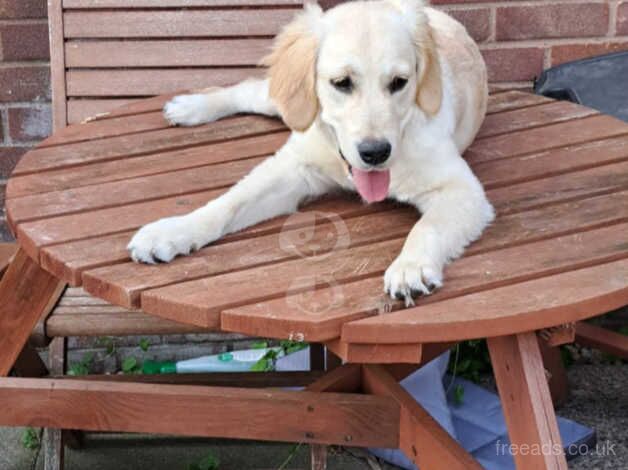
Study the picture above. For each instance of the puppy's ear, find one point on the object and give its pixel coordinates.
(292, 69)
(429, 87)
(429, 93)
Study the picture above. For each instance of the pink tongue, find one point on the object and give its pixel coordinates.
(372, 185)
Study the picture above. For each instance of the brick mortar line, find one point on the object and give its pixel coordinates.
(6, 137)
(25, 104)
(510, 3)
(492, 18)
(613, 8)
(548, 42)
(23, 21)
(25, 64)
(547, 58)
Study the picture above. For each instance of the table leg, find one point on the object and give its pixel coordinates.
(345, 378)
(53, 445)
(26, 290)
(557, 376)
(526, 402)
(421, 438)
(318, 454)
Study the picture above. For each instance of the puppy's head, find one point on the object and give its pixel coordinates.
(363, 69)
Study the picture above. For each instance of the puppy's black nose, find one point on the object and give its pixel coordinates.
(374, 152)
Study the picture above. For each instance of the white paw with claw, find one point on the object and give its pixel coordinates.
(187, 110)
(409, 277)
(163, 240)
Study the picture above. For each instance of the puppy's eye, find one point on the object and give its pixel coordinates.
(397, 84)
(344, 84)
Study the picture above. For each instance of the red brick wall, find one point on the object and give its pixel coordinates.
(518, 39)
(24, 84)
(521, 37)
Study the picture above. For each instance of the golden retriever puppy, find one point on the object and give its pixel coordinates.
(383, 97)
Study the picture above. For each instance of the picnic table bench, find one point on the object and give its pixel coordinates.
(556, 172)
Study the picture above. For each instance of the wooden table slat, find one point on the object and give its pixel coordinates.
(69, 259)
(536, 116)
(129, 191)
(114, 148)
(98, 173)
(319, 315)
(545, 138)
(90, 131)
(203, 299)
(531, 305)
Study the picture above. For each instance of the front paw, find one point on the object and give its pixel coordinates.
(409, 277)
(163, 241)
(187, 110)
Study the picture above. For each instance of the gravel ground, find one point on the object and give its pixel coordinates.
(599, 399)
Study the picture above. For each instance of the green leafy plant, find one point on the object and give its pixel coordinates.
(31, 438)
(470, 361)
(259, 345)
(293, 451)
(458, 394)
(290, 347)
(209, 462)
(83, 367)
(267, 362)
(109, 343)
(130, 365)
(144, 344)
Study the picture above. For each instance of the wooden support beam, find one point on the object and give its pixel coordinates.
(7, 250)
(214, 379)
(421, 438)
(526, 402)
(554, 372)
(559, 335)
(345, 378)
(600, 338)
(26, 291)
(322, 418)
(376, 353)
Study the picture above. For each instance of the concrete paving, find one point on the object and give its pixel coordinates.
(599, 398)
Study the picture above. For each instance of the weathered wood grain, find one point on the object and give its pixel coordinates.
(556, 299)
(175, 23)
(526, 401)
(319, 315)
(169, 53)
(27, 291)
(326, 418)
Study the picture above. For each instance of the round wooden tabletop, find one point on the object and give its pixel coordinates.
(557, 173)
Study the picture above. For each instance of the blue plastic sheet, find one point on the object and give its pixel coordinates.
(477, 422)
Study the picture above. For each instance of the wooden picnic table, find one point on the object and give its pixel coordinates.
(557, 174)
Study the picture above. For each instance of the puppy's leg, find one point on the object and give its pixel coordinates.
(454, 215)
(249, 96)
(274, 187)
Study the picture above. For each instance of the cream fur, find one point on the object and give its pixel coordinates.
(429, 123)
